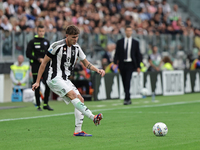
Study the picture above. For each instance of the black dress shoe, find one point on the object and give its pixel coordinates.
(127, 102)
(48, 108)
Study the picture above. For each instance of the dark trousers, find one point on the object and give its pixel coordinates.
(126, 73)
(37, 91)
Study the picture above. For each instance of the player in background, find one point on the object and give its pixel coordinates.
(36, 51)
(62, 56)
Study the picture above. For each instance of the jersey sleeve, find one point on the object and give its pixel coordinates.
(51, 50)
(81, 54)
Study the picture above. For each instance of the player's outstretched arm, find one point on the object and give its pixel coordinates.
(92, 67)
(40, 72)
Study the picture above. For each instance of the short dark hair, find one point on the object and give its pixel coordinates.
(128, 26)
(40, 26)
(72, 30)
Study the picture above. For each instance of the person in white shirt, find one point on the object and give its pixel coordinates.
(128, 58)
(5, 24)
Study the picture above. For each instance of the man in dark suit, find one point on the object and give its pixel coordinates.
(128, 58)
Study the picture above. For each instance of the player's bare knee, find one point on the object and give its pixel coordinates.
(81, 98)
(72, 95)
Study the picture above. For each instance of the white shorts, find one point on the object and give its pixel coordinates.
(62, 87)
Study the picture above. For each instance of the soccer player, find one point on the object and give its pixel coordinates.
(62, 56)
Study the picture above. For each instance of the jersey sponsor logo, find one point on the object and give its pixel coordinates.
(50, 50)
(45, 43)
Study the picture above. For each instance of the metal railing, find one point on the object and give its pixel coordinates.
(14, 43)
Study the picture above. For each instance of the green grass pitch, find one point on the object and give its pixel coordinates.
(122, 128)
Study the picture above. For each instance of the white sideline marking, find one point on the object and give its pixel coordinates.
(125, 107)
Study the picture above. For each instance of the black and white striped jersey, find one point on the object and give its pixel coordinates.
(63, 59)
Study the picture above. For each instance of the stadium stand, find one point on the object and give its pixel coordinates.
(168, 24)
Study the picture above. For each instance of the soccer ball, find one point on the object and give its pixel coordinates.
(160, 129)
(144, 91)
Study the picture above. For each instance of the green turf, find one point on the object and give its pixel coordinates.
(122, 128)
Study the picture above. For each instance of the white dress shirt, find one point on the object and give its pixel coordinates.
(129, 48)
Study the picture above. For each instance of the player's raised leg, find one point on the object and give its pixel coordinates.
(82, 108)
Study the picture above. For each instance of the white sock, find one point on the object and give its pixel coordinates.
(82, 108)
(78, 120)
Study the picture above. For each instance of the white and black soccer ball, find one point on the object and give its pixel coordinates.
(160, 129)
(144, 91)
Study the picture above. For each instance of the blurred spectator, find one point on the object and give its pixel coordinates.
(107, 58)
(129, 4)
(59, 26)
(144, 15)
(103, 38)
(20, 13)
(144, 5)
(174, 15)
(111, 4)
(7, 46)
(166, 7)
(188, 23)
(19, 73)
(167, 64)
(179, 61)
(135, 14)
(162, 28)
(119, 5)
(155, 60)
(9, 7)
(196, 63)
(111, 68)
(177, 25)
(108, 27)
(1, 6)
(22, 24)
(1, 13)
(5, 24)
(152, 8)
(197, 38)
(14, 22)
(143, 67)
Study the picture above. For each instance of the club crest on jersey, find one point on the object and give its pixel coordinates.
(68, 59)
(64, 48)
(45, 43)
(73, 53)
